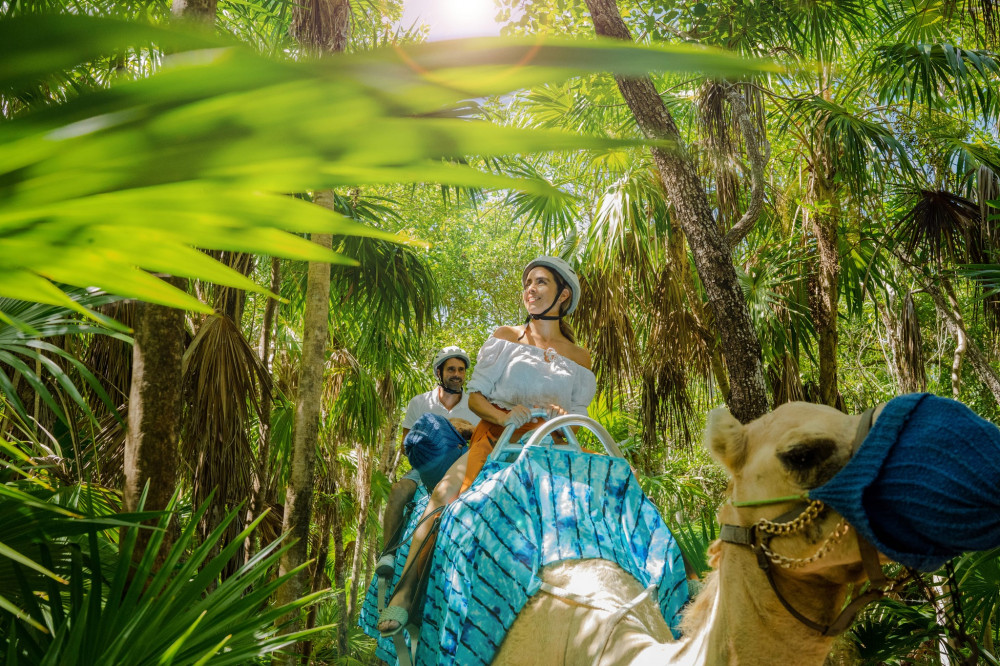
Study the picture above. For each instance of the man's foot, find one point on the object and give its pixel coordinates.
(392, 620)
(386, 564)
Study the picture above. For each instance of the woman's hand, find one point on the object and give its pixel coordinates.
(552, 410)
(518, 416)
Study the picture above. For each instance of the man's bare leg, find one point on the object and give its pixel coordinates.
(400, 495)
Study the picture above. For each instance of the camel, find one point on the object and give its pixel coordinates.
(737, 618)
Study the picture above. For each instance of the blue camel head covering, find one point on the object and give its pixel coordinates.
(432, 445)
(924, 486)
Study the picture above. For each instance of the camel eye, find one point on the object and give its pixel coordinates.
(807, 455)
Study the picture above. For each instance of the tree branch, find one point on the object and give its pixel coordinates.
(754, 141)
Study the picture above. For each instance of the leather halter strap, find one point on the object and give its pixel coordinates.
(750, 538)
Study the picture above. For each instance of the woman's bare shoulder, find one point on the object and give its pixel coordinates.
(509, 333)
(580, 356)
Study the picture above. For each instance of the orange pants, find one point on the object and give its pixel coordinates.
(484, 438)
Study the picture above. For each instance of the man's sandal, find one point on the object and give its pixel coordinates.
(393, 614)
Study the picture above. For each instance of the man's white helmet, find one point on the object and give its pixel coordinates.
(565, 273)
(450, 352)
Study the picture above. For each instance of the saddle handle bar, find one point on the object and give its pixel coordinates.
(565, 423)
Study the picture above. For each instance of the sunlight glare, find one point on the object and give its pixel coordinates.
(450, 19)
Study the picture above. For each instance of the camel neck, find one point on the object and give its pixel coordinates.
(747, 608)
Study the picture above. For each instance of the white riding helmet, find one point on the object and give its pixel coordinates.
(450, 352)
(565, 273)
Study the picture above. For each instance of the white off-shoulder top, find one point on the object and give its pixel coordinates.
(509, 373)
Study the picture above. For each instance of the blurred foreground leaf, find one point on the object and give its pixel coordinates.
(114, 185)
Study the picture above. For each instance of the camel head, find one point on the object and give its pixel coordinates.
(797, 447)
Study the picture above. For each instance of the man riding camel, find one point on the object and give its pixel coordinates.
(447, 399)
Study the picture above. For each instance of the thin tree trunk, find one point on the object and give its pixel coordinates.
(961, 340)
(988, 642)
(298, 496)
(154, 411)
(263, 481)
(952, 316)
(748, 394)
(825, 228)
(758, 153)
(321, 27)
(362, 490)
(339, 556)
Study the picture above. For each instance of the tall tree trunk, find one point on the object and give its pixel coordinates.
(825, 310)
(299, 493)
(154, 410)
(195, 10)
(321, 27)
(961, 340)
(339, 568)
(748, 394)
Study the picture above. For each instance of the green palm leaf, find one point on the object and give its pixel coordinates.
(181, 614)
(936, 75)
(23, 348)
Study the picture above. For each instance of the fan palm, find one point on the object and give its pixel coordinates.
(130, 612)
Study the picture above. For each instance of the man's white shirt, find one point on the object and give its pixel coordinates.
(429, 402)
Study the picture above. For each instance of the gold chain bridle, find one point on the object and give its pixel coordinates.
(800, 522)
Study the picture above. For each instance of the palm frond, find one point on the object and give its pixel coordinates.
(115, 610)
(223, 379)
(149, 204)
(392, 291)
(856, 146)
(937, 222)
(554, 213)
(937, 74)
(27, 358)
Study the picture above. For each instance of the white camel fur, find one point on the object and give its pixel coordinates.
(737, 618)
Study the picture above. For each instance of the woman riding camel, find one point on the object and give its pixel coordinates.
(520, 368)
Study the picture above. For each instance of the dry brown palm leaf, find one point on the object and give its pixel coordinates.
(110, 359)
(785, 380)
(674, 351)
(722, 106)
(912, 367)
(607, 330)
(107, 464)
(223, 379)
(942, 223)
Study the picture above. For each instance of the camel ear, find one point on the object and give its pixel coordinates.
(725, 438)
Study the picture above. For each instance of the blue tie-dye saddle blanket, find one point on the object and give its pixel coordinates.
(547, 506)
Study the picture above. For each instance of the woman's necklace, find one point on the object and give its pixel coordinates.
(549, 353)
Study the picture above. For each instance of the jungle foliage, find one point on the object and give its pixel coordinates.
(855, 174)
